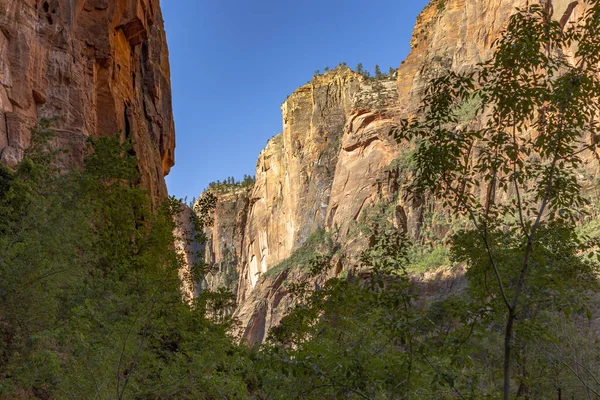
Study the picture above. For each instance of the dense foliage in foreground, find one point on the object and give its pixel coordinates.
(91, 308)
(90, 305)
(90, 301)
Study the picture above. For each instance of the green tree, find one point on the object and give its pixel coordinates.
(378, 73)
(90, 301)
(350, 338)
(360, 69)
(515, 175)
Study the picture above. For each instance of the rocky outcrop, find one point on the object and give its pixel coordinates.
(294, 172)
(98, 68)
(225, 240)
(457, 35)
(256, 229)
(335, 160)
(190, 249)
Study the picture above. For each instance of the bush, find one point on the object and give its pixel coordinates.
(423, 259)
(319, 242)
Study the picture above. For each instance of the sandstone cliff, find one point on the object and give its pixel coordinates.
(335, 160)
(458, 34)
(100, 67)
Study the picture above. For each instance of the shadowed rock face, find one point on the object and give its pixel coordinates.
(100, 67)
(302, 184)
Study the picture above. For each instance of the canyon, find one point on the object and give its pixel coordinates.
(100, 68)
(431, 232)
(335, 161)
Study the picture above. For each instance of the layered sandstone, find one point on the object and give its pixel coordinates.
(226, 239)
(335, 160)
(293, 175)
(98, 68)
(258, 228)
(457, 35)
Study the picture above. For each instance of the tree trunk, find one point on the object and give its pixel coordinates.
(507, 341)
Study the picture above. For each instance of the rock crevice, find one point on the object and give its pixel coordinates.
(97, 68)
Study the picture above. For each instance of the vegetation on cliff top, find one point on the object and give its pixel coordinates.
(230, 184)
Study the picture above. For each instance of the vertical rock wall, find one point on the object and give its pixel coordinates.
(294, 173)
(99, 67)
(302, 186)
(458, 34)
(226, 240)
(263, 226)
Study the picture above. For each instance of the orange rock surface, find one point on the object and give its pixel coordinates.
(98, 67)
(335, 159)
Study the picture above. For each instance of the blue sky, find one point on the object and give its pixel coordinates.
(233, 62)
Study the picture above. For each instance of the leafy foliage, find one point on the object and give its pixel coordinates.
(90, 301)
(537, 105)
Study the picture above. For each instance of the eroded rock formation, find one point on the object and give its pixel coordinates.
(335, 159)
(458, 34)
(98, 67)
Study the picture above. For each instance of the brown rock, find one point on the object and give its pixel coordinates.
(189, 249)
(225, 240)
(458, 34)
(335, 159)
(100, 67)
(294, 172)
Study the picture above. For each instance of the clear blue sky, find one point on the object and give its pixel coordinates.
(233, 62)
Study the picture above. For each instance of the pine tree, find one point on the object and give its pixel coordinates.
(360, 69)
(378, 73)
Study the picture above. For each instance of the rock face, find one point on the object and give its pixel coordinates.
(256, 229)
(458, 34)
(189, 249)
(98, 67)
(335, 159)
(226, 239)
(294, 172)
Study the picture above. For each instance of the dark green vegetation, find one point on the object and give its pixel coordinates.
(524, 255)
(379, 75)
(90, 305)
(230, 184)
(360, 69)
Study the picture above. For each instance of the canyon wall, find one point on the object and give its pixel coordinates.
(97, 68)
(335, 160)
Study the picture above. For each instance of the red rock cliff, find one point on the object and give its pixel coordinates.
(100, 67)
(336, 160)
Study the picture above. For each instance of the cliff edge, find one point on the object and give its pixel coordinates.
(335, 162)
